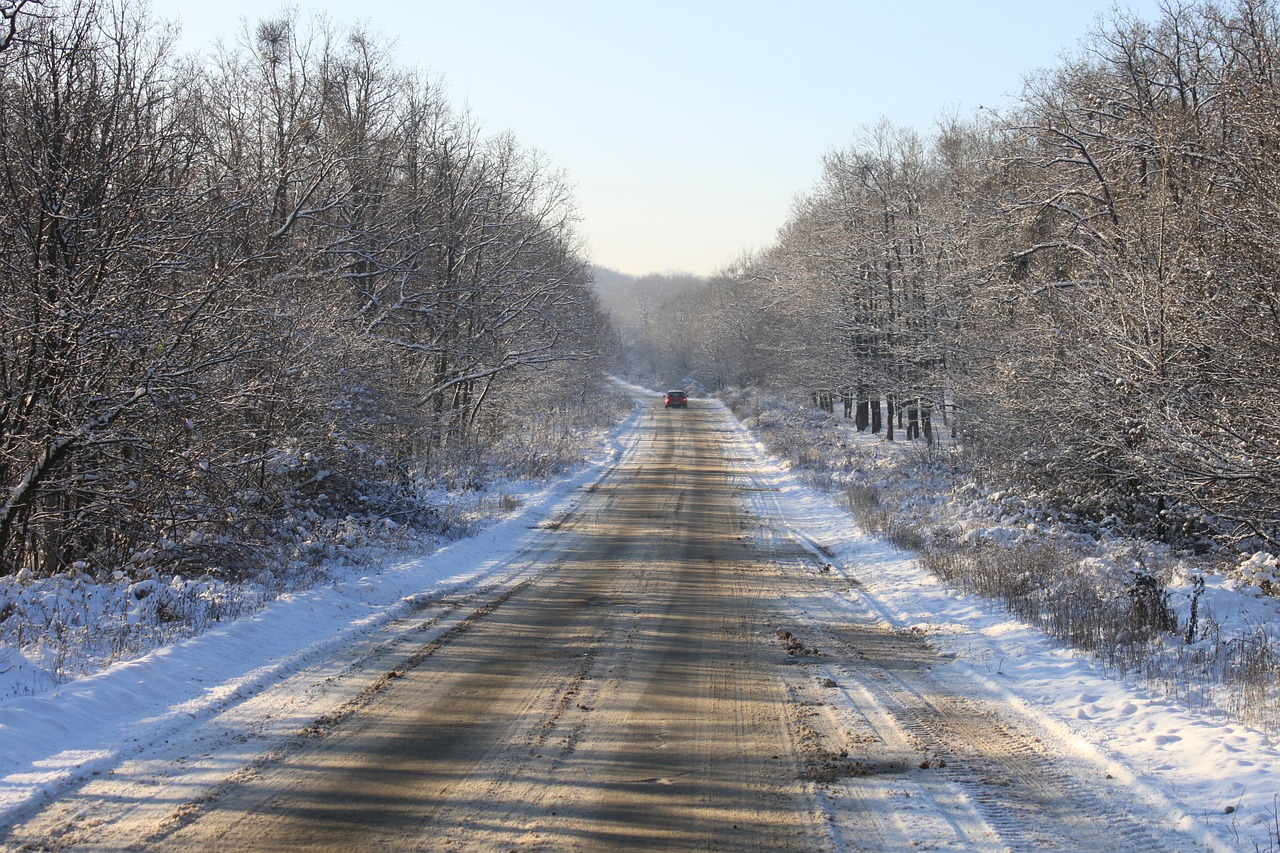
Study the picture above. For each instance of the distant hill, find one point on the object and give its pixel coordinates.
(614, 288)
(622, 295)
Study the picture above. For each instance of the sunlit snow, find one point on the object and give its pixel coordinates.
(1214, 778)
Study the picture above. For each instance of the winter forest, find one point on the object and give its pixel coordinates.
(248, 301)
(1084, 291)
(287, 294)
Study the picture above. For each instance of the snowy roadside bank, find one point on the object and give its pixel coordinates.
(1218, 780)
(53, 738)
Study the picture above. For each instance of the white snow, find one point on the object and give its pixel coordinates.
(1219, 778)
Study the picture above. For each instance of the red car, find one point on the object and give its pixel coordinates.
(676, 398)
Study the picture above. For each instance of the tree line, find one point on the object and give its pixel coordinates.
(244, 292)
(1084, 286)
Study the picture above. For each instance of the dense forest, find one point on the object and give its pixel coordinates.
(1084, 289)
(247, 295)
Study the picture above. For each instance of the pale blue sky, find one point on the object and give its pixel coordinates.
(688, 127)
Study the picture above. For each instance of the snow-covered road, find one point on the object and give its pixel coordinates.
(924, 720)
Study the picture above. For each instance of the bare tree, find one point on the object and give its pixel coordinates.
(1136, 166)
(10, 11)
(243, 299)
(108, 311)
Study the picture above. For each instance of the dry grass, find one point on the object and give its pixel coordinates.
(1125, 622)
